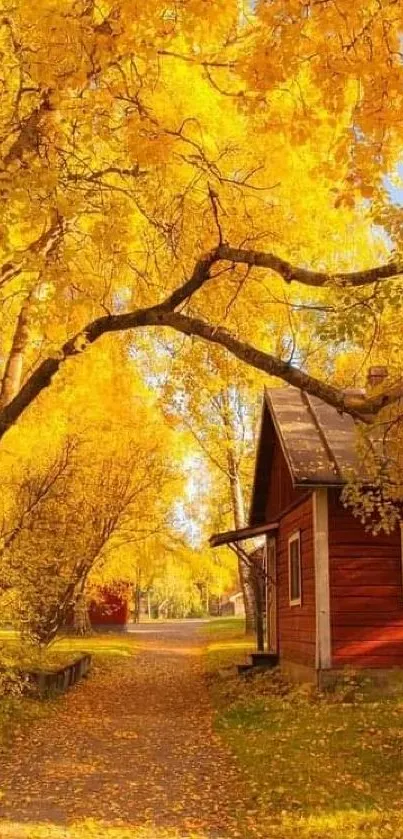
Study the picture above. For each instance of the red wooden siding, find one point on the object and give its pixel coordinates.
(297, 624)
(281, 492)
(111, 610)
(366, 594)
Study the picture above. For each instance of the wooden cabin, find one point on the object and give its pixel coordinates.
(334, 591)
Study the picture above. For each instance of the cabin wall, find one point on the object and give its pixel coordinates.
(281, 492)
(366, 594)
(297, 624)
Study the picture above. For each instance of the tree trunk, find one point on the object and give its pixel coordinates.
(45, 627)
(12, 377)
(244, 568)
(258, 577)
(247, 586)
(249, 570)
(137, 603)
(163, 609)
(81, 619)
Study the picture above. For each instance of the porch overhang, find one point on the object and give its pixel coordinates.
(230, 536)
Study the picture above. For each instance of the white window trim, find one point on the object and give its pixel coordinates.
(295, 537)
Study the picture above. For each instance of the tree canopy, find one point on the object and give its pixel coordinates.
(134, 197)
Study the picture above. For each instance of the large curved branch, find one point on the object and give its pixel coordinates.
(164, 314)
(360, 407)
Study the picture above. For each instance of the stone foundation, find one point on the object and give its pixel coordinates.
(385, 682)
(297, 672)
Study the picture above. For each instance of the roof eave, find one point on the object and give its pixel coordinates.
(228, 537)
(252, 510)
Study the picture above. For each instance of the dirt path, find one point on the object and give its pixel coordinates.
(131, 747)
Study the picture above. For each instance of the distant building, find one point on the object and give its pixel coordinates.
(112, 609)
(233, 604)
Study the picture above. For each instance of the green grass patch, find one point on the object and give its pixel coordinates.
(319, 766)
(227, 644)
(63, 650)
(102, 645)
(222, 627)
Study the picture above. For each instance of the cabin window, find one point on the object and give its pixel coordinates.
(294, 568)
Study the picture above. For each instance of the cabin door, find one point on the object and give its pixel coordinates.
(271, 596)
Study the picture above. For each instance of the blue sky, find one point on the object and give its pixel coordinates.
(394, 186)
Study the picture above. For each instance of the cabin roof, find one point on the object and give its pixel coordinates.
(318, 443)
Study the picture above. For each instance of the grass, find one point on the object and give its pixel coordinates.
(319, 766)
(64, 649)
(226, 627)
(227, 643)
(102, 646)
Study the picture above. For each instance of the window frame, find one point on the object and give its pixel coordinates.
(295, 537)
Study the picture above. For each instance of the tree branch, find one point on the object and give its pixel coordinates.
(317, 279)
(289, 272)
(358, 407)
(43, 375)
(164, 314)
(200, 275)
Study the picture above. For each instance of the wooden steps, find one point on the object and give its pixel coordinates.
(264, 659)
(259, 661)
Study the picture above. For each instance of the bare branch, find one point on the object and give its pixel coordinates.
(215, 204)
